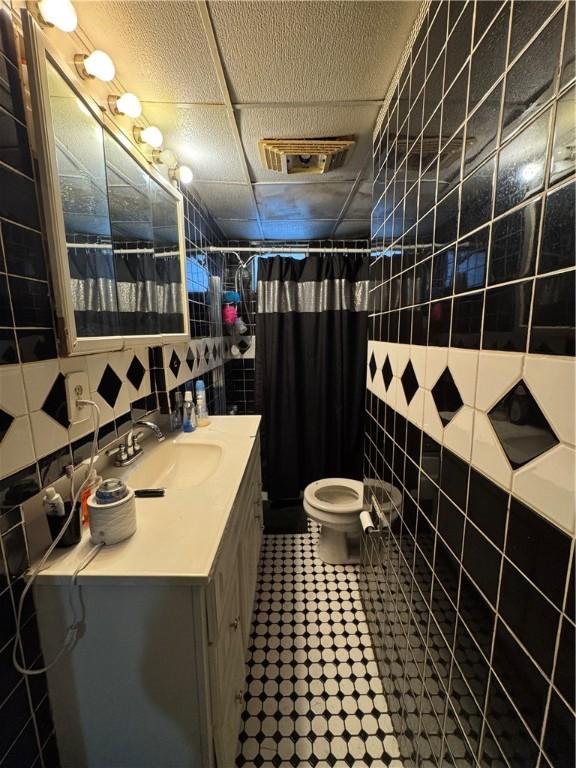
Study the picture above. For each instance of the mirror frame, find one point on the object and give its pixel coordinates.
(38, 52)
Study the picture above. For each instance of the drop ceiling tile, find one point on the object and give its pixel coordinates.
(297, 230)
(227, 201)
(146, 42)
(310, 51)
(301, 201)
(200, 135)
(307, 122)
(240, 230)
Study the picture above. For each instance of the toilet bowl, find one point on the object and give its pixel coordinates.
(335, 503)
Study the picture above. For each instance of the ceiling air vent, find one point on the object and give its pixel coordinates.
(304, 155)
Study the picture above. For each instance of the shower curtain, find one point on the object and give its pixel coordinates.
(311, 331)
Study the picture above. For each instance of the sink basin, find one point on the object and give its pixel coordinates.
(177, 465)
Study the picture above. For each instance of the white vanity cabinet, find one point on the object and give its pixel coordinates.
(157, 680)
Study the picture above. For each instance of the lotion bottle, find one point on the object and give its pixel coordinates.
(188, 413)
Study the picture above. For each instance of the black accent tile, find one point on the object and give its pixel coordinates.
(109, 386)
(174, 364)
(6, 420)
(15, 552)
(471, 259)
(52, 466)
(563, 163)
(8, 519)
(372, 365)
(559, 735)
(454, 478)
(387, 372)
(539, 549)
(467, 320)
(476, 201)
(409, 382)
(443, 273)
(439, 325)
(55, 404)
(530, 81)
(482, 562)
(446, 397)
(16, 710)
(552, 331)
(135, 372)
(20, 205)
(529, 615)
(520, 749)
(23, 251)
(525, 685)
(10, 91)
(487, 507)
(459, 44)
(8, 348)
(571, 595)
(6, 318)
(38, 344)
(506, 313)
(482, 129)
(14, 148)
(527, 18)
(521, 165)
(564, 674)
(558, 247)
(446, 226)
(451, 524)
(514, 244)
(19, 487)
(31, 303)
(489, 58)
(521, 427)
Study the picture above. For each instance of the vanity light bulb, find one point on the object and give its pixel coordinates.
(152, 136)
(184, 174)
(98, 64)
(128, 104)
(59, 13)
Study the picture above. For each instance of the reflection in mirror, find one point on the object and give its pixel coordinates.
(166, 260)
(78, 140)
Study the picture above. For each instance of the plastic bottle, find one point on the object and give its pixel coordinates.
(201, 408)
(188, 413)
(93, 482)
(53, 503)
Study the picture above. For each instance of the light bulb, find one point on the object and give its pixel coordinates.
(163, 157)
(184, 174)
(150, 135)
(98, 64)
(59, 13)
(181, 173)
(128, 104)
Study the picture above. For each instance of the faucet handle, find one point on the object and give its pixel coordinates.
(136, 440)
(120, 451)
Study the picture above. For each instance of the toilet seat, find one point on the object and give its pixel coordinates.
(336, 495)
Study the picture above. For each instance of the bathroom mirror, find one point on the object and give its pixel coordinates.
(114, 225)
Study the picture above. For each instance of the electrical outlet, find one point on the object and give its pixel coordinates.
(77, 388)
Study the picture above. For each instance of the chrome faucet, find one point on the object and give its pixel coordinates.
(129, 450)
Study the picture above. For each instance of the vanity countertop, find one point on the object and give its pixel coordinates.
(178, 535)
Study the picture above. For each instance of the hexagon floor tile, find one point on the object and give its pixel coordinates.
(313, 694)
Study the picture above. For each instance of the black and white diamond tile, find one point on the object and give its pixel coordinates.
(373, 366)
(6, 420)
(174, 363)
(55, 403)
(109, 386)
(313, 694)
(387, 372)
(135, 372)
(409, 382)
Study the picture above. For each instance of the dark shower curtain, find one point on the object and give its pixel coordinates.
(311, 331)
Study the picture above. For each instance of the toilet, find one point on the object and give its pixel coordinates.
(335, 503)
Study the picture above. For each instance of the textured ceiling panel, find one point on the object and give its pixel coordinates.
(296, 230)
(200, 136)
(301, 201)
(159, 48)
(352, 228)
(361, 204)
(308, 122)
(240, 230)
(311, 51)
(227, 201)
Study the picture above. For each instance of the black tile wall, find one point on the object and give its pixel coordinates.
(469, 592)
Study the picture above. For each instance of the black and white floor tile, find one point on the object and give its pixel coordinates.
(313, 693)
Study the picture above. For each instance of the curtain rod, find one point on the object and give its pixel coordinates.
(283, 249)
